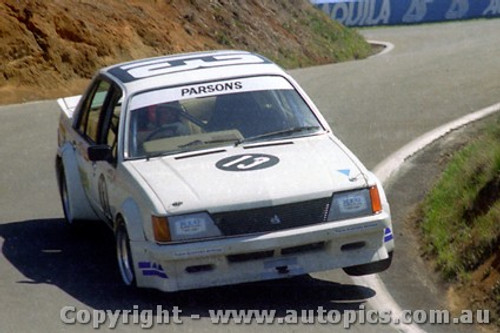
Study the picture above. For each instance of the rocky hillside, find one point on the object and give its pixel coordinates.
(51, 48)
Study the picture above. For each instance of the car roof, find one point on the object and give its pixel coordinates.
(190, 68)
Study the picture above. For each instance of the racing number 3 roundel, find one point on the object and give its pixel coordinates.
(247, 162)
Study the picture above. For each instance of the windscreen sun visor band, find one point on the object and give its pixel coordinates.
(210, 89)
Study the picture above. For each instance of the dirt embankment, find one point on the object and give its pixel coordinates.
(51, 48)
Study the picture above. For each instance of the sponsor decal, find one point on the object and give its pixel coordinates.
(211, 88)
(198, 252)
(345, 172)
(381, 12)
(247, 162)
(152, 269)
(387, 235)
(352, 228)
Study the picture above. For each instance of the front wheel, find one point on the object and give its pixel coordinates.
(66, 203)
(124, 255)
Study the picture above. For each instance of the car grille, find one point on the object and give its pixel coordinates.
(273, 218)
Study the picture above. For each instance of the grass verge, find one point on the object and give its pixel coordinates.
(324, 41)
(460, 218)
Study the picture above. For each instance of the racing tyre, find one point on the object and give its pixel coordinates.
(66, 204)
(124, 255)
(371, 268)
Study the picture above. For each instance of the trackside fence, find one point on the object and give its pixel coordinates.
(391, 12)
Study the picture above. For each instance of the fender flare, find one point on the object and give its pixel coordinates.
(80, 206)
(130, 216)
(133, 219)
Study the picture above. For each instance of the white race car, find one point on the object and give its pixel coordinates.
(215, 168)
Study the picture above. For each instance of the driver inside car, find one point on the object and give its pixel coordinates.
(168, 119)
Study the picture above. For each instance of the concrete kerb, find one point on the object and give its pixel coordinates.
(388, 47)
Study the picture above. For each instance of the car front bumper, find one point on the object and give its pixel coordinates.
(265, 256)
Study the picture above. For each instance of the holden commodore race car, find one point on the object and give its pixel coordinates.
(216, 168)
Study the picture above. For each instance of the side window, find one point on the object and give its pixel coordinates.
(93, 111)
(112, 121)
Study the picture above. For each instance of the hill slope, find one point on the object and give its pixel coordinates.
(52, 47)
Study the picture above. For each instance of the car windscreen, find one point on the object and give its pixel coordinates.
(202, 116)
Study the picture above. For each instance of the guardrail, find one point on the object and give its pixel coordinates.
(388, 12)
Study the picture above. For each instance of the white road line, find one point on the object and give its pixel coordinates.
(383, 301)
(392, 163)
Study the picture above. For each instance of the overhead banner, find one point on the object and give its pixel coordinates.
(387, 12)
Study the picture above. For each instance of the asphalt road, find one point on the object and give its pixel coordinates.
(436, 73)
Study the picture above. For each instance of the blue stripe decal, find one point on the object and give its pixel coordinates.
(152, 272)
(388, 235)
(144, 264)
(152, 269)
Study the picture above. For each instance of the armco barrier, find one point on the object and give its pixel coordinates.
(386, 12)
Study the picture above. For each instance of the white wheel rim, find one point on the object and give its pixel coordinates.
(124, 256)
(66, 203)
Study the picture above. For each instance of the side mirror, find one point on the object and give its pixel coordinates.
(100, 153)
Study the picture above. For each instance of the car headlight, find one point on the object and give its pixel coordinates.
(184, 227)
(355, 203)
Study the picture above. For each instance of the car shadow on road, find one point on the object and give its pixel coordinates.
(83, 265)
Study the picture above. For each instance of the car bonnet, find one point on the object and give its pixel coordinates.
(252, 176)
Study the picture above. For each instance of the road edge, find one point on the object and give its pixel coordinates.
(387, 169)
